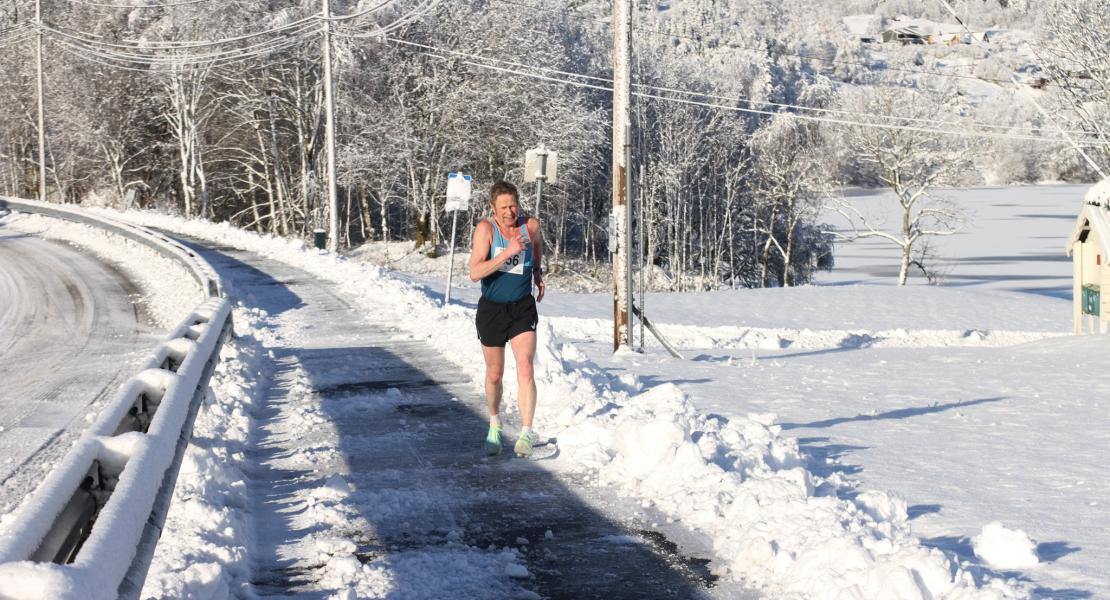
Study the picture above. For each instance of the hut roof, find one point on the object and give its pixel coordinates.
(1096, 214)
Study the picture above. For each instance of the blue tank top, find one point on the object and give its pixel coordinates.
(513, 280)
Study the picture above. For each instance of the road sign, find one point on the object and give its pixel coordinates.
(458, 192)
(458, 197)
(541, 164)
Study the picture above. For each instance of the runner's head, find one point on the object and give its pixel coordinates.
(504, 201)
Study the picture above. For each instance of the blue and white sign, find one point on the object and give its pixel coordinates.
(458, 192)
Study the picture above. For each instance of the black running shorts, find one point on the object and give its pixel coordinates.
(498, 323)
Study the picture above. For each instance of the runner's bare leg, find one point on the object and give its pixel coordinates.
(495, 369)
(524, 351)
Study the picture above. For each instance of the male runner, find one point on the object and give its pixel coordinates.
(506, 256)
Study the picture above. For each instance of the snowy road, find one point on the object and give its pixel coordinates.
(366, 445)
(69, 334)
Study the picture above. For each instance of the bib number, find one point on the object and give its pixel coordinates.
(514, 265)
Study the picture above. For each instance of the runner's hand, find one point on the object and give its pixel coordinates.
(515, 246)
(540, 287)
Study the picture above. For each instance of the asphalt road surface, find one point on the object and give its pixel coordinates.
(70, 334)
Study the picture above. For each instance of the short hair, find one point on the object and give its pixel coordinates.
(501, 188)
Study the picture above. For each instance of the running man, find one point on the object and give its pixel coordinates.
(505, 256)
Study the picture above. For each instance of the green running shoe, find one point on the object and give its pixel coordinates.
(493, 441)
(524, 444)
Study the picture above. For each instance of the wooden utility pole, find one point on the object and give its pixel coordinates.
(620, 221)
(329, 109)
(42, 116)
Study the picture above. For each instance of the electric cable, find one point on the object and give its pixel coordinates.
(137, 6)
(765, 49)
(730, 98)
(212, 59)
(401, 21)
(83, 37)
(847, 122)
(234, 53)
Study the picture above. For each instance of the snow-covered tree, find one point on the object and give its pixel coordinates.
(1076, 55)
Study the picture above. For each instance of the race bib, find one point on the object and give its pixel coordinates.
(514, 265)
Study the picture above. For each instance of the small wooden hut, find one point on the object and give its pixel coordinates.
(1089, 247)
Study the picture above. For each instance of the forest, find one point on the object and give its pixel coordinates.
(748, 118)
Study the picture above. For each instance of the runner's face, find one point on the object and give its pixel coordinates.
(505, 210)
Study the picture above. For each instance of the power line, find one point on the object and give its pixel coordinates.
(230, 56)
(137, 6)
(88, 38)
(764, 49)
(17, 39)
(414, 15)
(608, 88)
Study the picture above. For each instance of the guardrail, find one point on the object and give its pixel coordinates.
(90, 529)
(200, 270)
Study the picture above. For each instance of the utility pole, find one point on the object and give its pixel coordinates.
(329, 109)
(42, 117)
(620, 218)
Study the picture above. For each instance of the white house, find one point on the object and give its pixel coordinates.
(1089, 247)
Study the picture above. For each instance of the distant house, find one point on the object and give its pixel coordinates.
(1089, 247)
(909, 34)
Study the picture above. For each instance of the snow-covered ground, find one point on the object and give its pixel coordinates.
(851, 439)
(926, 440)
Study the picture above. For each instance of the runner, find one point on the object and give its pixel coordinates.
(506, 256)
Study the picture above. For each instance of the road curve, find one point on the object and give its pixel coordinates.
(70, 333)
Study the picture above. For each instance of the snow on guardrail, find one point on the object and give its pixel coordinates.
(200, 270)
(90, 528)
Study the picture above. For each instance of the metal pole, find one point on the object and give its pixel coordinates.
(451, 261)
(540, 178)
(628, 231)
(329, 106)
(42, 117)
(641, 256)
(539, 190)
(622, 50)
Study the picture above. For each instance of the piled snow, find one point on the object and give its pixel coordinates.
(169, 291)
(766, 338)
(740, 482)
(1005, 548)
(204, 548)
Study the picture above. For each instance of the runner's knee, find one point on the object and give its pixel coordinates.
(494, 375)
(524, 370)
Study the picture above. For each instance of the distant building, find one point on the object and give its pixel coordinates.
(909, 34)
(1089, 247)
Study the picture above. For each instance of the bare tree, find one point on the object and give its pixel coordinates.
(909, 162)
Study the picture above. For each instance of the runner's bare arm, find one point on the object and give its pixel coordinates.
(536, 236)
(481, 265)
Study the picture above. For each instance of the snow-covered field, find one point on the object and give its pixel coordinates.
(852, 438)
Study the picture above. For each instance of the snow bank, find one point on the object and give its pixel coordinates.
(774, 524)
(203, 550)
(777, 338)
